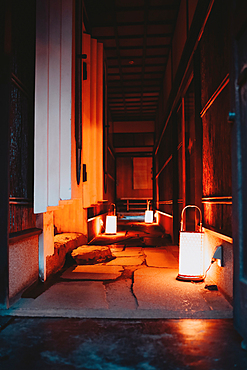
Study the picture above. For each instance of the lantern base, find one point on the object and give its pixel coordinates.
(190, 278)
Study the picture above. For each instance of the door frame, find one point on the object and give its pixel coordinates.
(238, 26)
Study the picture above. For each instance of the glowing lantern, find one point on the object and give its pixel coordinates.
(149, 215)
(191, 261)
(111, 223)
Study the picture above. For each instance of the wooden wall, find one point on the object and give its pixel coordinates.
(193, 147)
(215, 99)
(124, 186)
(21, 215)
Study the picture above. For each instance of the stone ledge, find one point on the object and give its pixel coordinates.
(63, 244)
(24, 234)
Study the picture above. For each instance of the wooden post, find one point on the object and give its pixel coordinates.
(183, 155)
(5, 80)
(198, 131)
(175, 180)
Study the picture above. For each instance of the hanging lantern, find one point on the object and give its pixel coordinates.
(111, 222)
(191, 261)
(149, 215)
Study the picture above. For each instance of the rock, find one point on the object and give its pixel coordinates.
(63, 245)
(90, 254)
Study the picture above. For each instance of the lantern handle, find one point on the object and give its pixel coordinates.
(182, 217)
(114, 208)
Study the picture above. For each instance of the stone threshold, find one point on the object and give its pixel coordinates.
(127, 314)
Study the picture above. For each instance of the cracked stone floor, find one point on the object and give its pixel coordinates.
(128, 314)
(140, 282)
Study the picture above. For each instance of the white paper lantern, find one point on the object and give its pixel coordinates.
(149, 216)
(191, 252)
(111, 225)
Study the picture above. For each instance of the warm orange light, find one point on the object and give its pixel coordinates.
(149, 215)
(191, 255)
(111, 225)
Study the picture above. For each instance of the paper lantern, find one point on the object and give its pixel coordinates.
(111, 225)
(191, 261)
(111, 222)
(149, 216)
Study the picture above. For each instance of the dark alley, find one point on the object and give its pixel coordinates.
(123, 184)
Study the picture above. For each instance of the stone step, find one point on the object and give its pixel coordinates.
(91, 254)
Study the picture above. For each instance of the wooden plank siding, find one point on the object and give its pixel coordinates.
(215, 100)
(20, 196)
(201, 106)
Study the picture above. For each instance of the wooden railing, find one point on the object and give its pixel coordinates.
(133, 204)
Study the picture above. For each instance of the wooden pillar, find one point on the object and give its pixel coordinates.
(183, 155)
(5, 80)
(198, 130)
(175, 179)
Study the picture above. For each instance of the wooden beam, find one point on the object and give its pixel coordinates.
(130, 37)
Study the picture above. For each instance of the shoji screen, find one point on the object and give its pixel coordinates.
(52, 142)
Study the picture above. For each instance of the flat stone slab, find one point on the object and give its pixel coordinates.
(91, 253)
(119, 295)
(156, 241)
(133, 249)
(126, 261)
(128, 253)
(92, 272)
(68, 296)
(157, 288)
(105, 239)
(117, 247)
(160, 258)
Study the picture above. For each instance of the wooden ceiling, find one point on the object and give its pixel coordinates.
(137, 36)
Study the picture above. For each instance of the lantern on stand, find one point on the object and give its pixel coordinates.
(111, 222)
(191, 250)
(149, 215)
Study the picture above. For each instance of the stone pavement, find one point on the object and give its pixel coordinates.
(126, 314)
(140, 282)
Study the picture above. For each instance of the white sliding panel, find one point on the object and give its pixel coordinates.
(54, 103)
(66, 79)
(41, 107)
(53, 73)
